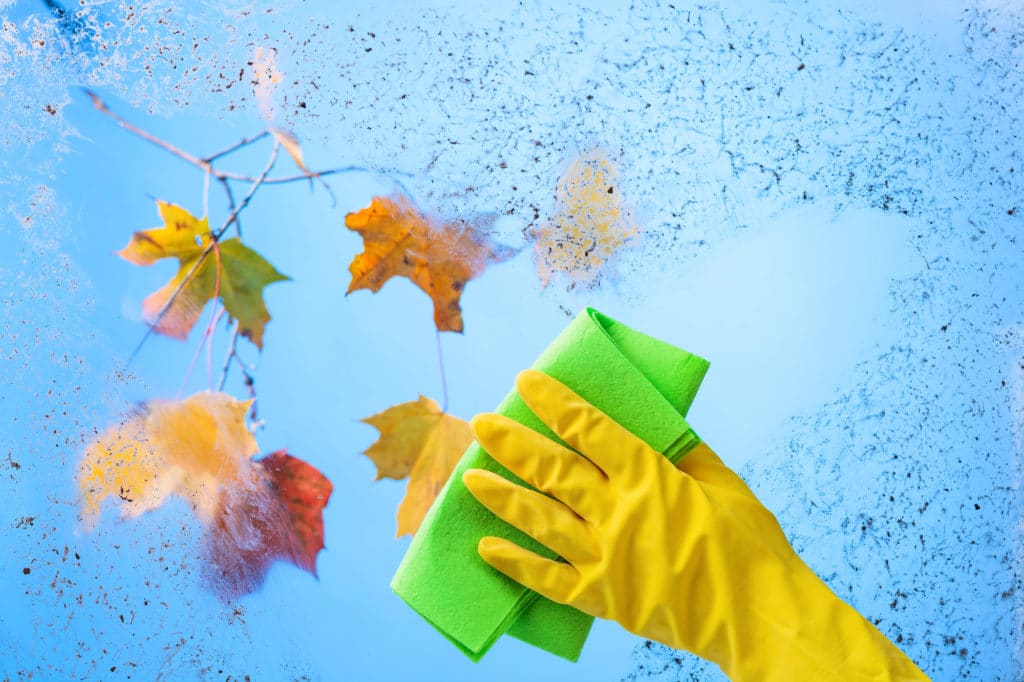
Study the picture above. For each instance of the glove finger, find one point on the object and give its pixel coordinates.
(547, 521)
(605, 442)
(552, 579)
(543, 463)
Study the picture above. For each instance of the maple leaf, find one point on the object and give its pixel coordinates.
(420, 441)
(232, 270)
(589, 224)
(439, 258)
(185, 448)
(291, 145)
(278, 516)
(303, 492)
(255, 512)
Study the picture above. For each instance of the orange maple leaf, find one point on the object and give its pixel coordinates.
(589, 224)
(439, 258)
(420, 441)
(200, 449)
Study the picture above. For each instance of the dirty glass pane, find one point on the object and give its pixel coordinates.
(825, 203)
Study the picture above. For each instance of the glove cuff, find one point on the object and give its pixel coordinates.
(804, 631)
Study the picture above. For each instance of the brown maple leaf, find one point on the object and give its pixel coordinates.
(420, 441)
(439, 258)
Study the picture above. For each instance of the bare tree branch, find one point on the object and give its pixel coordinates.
(206, 164)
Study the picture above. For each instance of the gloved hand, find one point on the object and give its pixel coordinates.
(688, 556)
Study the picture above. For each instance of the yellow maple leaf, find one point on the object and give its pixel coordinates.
(589, 224)
(420, 441)
(188, 448)
(243, 274)
(255, 512)
(439, 258)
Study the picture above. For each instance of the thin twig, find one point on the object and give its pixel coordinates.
(330, 192)
(235, 147)
(206, 194)
(247, 377)
(261, 180)
(166, 146)
(231, 355)
(338, 171)
(440, 363)
(231, 205)
(242, 177)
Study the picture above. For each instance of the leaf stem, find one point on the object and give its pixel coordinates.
(209, 344)
(211, 327)
(440, 364)
(207, 339)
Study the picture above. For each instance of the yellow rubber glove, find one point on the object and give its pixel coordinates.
(688, 557)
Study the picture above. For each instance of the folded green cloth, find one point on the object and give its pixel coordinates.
(645, 384)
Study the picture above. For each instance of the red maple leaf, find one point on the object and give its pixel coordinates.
(277, 517)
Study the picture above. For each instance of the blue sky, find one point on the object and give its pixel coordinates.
(830, 217)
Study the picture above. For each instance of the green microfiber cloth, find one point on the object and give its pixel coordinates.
(645, 384)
